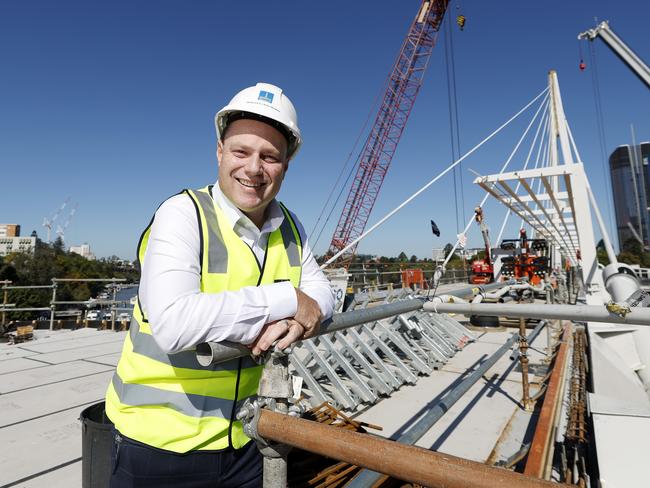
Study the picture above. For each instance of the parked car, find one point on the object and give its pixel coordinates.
(106, 315)
(93, 315)
(124, 316)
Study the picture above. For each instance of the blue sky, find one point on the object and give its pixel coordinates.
(112, 103)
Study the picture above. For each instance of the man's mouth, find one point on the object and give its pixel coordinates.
(249, 183)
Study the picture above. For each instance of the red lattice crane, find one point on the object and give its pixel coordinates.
(402, 89)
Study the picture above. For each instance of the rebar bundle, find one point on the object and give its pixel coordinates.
(577, 435)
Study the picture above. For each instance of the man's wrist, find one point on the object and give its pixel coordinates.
(281, 300)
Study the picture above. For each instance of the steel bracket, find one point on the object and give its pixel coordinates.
(275, 392)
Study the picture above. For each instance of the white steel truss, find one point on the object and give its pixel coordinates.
(551, 214)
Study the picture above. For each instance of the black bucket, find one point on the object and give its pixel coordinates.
(96, 445)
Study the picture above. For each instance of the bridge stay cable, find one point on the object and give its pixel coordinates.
(432, 181)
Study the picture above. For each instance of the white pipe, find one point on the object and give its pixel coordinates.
(431, 182)
(579, 313)
(523, 286)
(454, 298)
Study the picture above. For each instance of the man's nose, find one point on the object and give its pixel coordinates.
(254, 165)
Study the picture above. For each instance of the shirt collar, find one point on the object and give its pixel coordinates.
(275, 215)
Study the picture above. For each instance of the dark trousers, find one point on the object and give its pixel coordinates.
(138, 465)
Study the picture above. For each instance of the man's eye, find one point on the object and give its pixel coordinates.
(239, 153)
(270, 159)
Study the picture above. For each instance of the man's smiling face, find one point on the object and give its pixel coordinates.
(252, 162)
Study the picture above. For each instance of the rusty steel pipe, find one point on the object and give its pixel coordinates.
(539, 453)
(408, 463)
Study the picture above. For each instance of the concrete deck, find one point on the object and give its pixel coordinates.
(46, 383)
(44, 386)
(476, 425)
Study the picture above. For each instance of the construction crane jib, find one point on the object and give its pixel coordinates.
(377, 153)
(622, 50)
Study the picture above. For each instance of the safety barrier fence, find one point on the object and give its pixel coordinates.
(8, 308)
(373, 279)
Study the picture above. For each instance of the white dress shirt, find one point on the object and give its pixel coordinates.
(180, 315)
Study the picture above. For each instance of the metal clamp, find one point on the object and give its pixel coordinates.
(249, 416)
(620, 309)
(275, 394)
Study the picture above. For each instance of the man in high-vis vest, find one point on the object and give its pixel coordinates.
(227, 262)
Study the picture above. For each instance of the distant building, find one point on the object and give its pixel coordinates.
(9, 230)
(439, 254)
(83, 250)
(11, 242)
(9, 245)
(631, 190)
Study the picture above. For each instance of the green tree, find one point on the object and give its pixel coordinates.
(52, 261)
(632, 252)
(601, 253)
(632, 246)
(59, 246)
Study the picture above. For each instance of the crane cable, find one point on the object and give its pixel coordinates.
(454, 122)
(600, 123)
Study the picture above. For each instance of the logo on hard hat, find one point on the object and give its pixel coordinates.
(265, 96)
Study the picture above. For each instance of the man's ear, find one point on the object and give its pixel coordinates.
(219, 151)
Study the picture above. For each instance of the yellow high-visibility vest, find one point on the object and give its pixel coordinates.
(169, 401)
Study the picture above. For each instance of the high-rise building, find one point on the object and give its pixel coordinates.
(631, 191)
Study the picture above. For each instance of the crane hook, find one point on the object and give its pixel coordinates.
(460, 20)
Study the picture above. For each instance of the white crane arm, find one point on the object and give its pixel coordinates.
(622, 50)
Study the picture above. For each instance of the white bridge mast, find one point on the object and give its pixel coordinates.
(560, 211)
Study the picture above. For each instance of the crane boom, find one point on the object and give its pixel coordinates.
(622, 50)
(377, 153)
(478, 216)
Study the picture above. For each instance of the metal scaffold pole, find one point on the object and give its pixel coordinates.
(5, 298)
(580, 313)
(408, 463)
(53, 303)
(216, 352)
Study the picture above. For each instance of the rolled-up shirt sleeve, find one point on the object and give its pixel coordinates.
(180, 315)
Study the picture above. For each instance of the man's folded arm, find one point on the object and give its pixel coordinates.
(180, 315)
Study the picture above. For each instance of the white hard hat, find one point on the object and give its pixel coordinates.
(267, 103)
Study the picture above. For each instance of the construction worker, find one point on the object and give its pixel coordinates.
(224, 263)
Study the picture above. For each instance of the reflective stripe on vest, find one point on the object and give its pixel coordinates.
(169, 401)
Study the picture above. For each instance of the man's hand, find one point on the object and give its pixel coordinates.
(286, 331)
(303, 325)
(307, 314)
